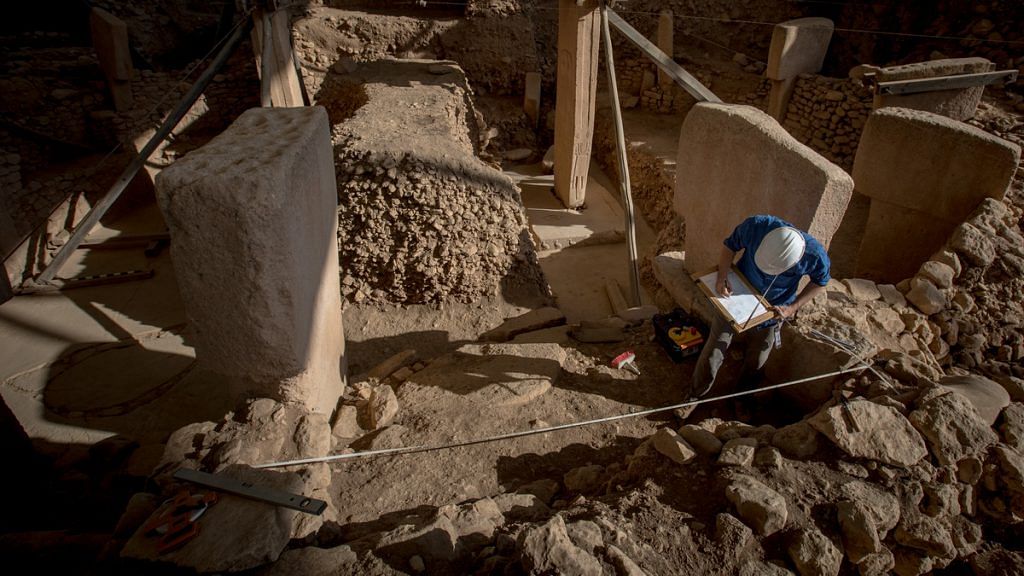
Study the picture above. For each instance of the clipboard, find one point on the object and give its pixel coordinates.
(746, 299)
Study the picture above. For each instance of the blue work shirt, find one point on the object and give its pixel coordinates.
(748, 236)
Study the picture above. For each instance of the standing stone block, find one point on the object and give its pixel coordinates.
(736, 161)
(531, 98)
(925, 174)
(579, 32)
(798, 47)
(253, 222)
(897, 240)
(666, 43)
(110, 40)
(931, 163)
(958, 104)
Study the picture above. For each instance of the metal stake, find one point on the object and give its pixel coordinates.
(620, 140)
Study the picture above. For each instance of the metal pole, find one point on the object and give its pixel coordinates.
(104, 204)
(620, 139)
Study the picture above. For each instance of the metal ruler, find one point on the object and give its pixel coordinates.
(249, 490)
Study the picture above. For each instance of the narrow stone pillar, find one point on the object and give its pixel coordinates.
(665, 43)
(579, 33)
(798, 47)
(253, 223)
(531, 97)
(110, 40)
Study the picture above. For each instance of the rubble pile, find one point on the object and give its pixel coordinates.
(421, 217)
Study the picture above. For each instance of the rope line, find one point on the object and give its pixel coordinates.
(522, 433)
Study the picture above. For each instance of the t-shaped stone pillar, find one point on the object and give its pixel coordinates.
(253, 222)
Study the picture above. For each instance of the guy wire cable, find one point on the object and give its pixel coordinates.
(522, 433)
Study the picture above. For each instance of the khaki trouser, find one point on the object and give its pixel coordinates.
(759, 343)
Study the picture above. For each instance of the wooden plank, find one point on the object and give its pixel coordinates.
(957, 82)
(669, 66)
(284, 82)
(578, 36)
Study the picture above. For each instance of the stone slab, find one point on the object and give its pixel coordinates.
(931, 163)
(531, 97)
(916, 234)
(798, 47)
(670, 270)
(235, 533)
(959, 104)
(253, 221)
(666, 24)
(736, 161)
(110, 40)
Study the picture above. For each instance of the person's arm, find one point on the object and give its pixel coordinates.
(722, 284)
(787, 311)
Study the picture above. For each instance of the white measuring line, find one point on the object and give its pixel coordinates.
(416, 449)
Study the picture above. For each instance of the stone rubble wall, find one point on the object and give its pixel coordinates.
(637, 84)
(828, 114)
(421, 218)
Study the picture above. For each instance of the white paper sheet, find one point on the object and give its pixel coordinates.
(740, 303)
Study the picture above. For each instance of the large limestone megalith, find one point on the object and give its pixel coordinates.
(798, 47)
(253, 223)
(925, 174)
(735, 161)
(957, 103)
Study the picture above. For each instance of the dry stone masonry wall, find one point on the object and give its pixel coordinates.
(828, 114)
(422, 219)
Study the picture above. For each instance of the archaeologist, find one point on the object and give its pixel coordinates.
(775, 256)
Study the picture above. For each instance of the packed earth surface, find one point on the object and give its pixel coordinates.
(487, 424)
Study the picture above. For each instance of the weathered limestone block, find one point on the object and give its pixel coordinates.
(925, 174)
(953, 428)
(931, 163)
(237, 533)
(671, 444)
(798, 47)
(670, 270)
(736, 161)
(814, 554)
(253, 219)
(762, 508)
(666, 44)
(881, 433)
(531, 97)
(548, 548)
(958, 104)
(917, 234)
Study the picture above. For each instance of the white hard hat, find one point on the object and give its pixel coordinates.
(780, 250)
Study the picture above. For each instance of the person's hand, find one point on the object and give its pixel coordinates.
(722, 285)
(785, 311)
